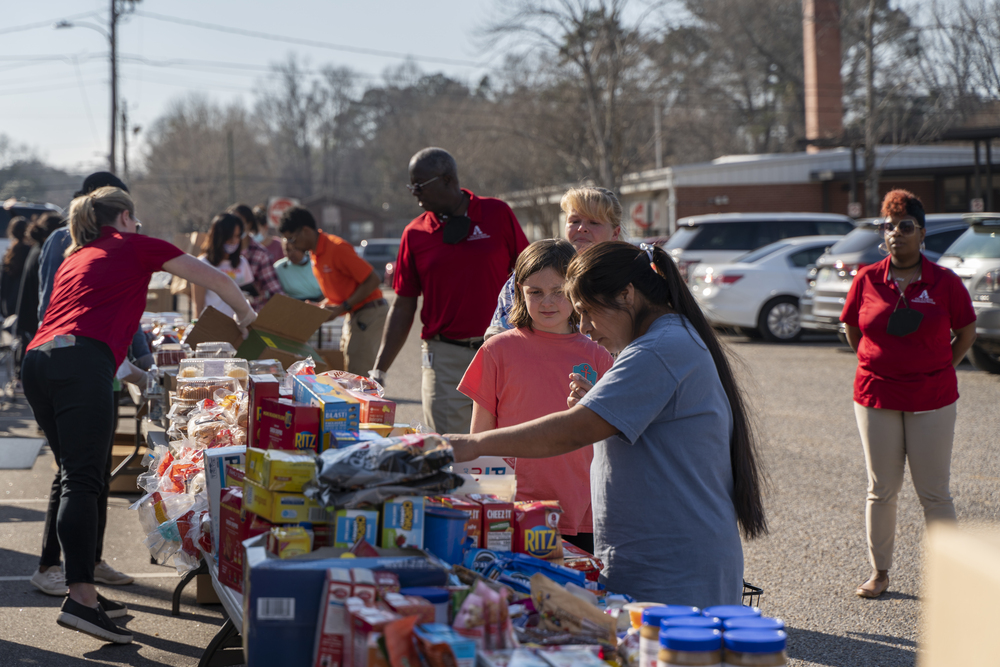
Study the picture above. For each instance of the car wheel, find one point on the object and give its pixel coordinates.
(779, 320)
(749, 332)
(984, 361)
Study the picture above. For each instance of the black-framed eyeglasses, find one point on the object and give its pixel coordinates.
(415, 188)
(902, 227)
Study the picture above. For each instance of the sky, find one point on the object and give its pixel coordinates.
(54, 83)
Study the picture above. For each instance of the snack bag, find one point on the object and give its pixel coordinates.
(470, 622)
(536, 529)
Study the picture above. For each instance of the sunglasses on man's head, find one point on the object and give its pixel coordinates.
(903, 226)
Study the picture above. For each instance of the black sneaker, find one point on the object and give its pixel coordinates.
(111, 608)
(94, 622)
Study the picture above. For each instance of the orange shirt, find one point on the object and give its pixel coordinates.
(339, 270)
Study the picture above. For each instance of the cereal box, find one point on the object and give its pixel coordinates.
(403, 522)
(352, 525)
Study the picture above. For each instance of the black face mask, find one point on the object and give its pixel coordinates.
(456, 228)
(903, 321)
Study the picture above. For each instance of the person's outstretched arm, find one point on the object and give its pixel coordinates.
(397, 328)
(195, 271)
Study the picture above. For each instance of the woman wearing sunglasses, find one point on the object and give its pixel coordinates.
(900, 316)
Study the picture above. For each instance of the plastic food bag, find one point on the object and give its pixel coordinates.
(305, 367)
(356, 383)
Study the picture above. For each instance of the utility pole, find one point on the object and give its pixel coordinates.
(125, 140)
(658, 134)
(232, 167)
(871, 140)
(114, 82)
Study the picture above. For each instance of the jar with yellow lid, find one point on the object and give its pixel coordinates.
(649, 633)
(690, 647)
(755, 648)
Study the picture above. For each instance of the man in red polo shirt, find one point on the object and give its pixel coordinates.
(348, 283)
(458, 254)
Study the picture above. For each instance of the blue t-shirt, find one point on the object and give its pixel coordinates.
(662, 489)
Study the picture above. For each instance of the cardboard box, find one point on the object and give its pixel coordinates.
(235, 526)
(498, 523)
(288, 541)
(280, 332)
(283, 507)
(126, 483)
(278, 470)
(403, 522)
(354, 524)
(373, 410)
(204, 592)
(259, 388)
(159, 300)
(282, 598)
(367, 625)
(340, 412)
(216, 459)
(474, 526)
(345, 591)
(388, 430)
(289, 425)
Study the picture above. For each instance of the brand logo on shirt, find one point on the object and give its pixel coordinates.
(924, 298)
(477, 234)
(326, 268)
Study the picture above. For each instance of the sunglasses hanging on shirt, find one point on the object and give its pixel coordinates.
(456, 228)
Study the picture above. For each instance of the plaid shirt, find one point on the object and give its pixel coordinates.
(265, 279)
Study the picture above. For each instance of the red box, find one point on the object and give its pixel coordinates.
(285, 424)
(375, 410)
(497, 524)
(259, 388)
(235, 525)
(474, 526)
(367, 623)
(333, 632)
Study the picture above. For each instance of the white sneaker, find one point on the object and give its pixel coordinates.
(105, 574)
(50, 582)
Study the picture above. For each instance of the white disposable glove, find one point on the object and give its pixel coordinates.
(244, 324)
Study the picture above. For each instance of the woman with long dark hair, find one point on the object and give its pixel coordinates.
(675, 476)
(223, 252)
(13, 264)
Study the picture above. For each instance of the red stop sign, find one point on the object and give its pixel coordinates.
(276, 206)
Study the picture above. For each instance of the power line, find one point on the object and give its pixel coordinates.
(298, 41)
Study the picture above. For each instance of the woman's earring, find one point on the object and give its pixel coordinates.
(922, 246)
(883, 249)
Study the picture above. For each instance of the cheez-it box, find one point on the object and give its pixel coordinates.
(497, 523)
(259, 388)
(285, 424)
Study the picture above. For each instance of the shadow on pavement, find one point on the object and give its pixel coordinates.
(821, 648)
(19, 654)
(22, 513)
(19, 563)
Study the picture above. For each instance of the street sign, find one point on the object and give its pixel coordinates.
(276, 206)
(854, 209)
(639, 213)
(977, 205)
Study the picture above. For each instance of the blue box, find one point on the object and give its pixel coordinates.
(352, 522)
(282, 597)
(337, 413)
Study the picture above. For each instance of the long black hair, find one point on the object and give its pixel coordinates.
(600, 273)
(219, 234)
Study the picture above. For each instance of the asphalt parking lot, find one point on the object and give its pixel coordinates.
(808, 567)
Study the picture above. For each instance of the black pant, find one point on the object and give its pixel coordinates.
(583, 540)
(70, 392)
(50, 539)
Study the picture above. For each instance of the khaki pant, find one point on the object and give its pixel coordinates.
(890, 439)
(446, 410)
(360, 338)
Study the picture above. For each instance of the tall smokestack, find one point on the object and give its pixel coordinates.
(823, 87)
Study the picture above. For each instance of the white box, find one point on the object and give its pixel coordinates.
(216, 460)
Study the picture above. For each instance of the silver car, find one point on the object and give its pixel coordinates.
(821, 305)
(975, 257)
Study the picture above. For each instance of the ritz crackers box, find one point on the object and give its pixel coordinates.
(498, 522)
(339, 411)
(286, 424)
(259, 388)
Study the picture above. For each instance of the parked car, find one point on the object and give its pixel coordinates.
(759, 292)
(721, 237)
(381, 254)
(14, 207)
(821, 305)
(975, 257)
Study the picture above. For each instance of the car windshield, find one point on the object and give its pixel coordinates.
(761, 253)
(978, 241)
(859, 240)
(682, 237)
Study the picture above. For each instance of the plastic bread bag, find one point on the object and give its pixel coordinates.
(305, 367)
(356, 383)
(385, 461)
(438, 483)
(149, 481)
(194, 528)
(561, 611)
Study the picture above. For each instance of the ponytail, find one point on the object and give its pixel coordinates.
(602, 272)
(88, 213)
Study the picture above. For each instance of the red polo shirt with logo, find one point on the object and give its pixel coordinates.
(460, 282)
(908, 373)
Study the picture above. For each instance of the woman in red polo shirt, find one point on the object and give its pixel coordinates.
(900, 314)
(97, 300)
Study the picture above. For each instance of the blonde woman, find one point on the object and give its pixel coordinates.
(593, 215)
(97, 300)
